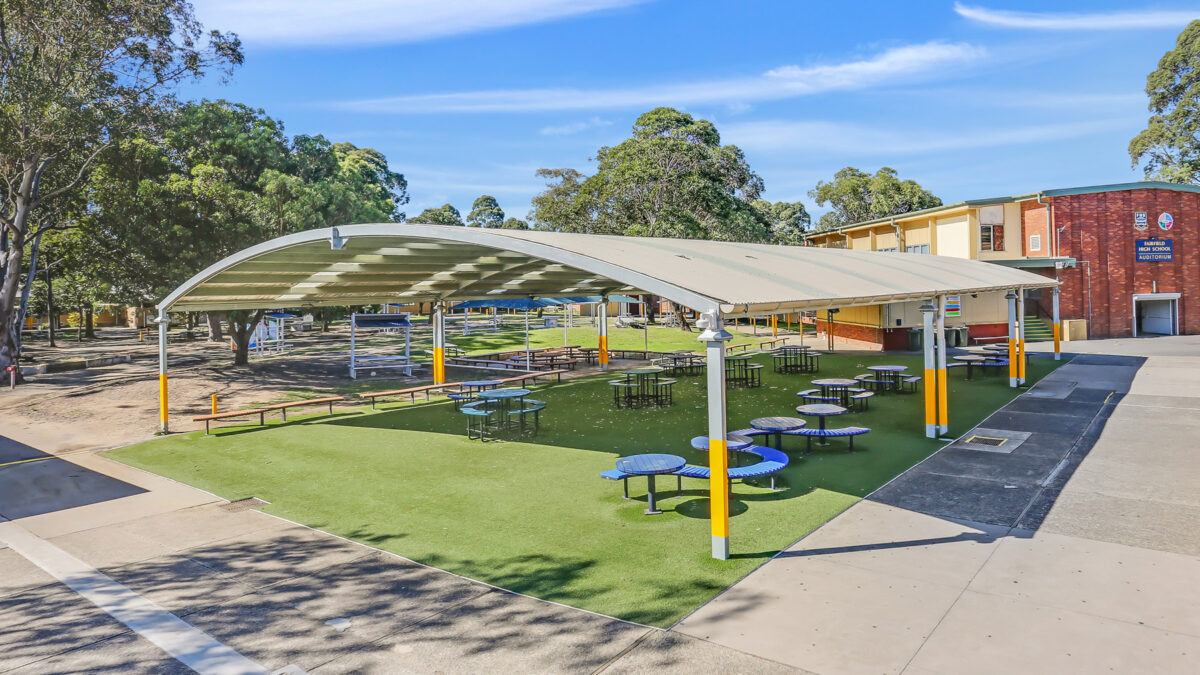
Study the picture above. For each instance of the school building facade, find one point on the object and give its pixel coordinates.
(1128, 256)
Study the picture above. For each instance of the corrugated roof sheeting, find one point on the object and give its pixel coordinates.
(413, 262)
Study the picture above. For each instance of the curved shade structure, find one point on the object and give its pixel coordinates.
(369, 264)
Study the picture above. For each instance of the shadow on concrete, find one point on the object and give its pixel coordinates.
(39, 483)
(1059, 419)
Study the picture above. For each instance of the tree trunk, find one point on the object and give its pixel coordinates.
(79, 325)
(90, 324)
(240, 328)
(324, 324)
(651, 308)
(214, 327)
(50, 308)
(8, 295)
(682, 316)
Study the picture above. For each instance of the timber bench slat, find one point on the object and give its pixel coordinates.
(283, 407)
(411, 391)
(261, 412)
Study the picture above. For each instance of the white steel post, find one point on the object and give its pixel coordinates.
(1012, 337)
(931, 390)
(1057, 328)
(714, 337)
(163, 419)
(942, 385)
(1021, 335)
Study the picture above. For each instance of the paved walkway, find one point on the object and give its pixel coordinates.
(1091, 574)
(109, 569)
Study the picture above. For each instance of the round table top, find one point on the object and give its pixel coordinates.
(888, 369)
(739, 357)
(777, 423)
(650, 464)
(995, 348)
(835, 382)
(802, 348)
(504, 393)
(645, 370)
(732, 442)
(480, 383)
(971, 357)
(820, 409)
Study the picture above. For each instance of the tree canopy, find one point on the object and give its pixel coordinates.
(442, 215)
(855, 196)
(485, 212)
(77, 77)
(1170, 144)
(670, 178)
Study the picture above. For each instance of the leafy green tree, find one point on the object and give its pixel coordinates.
(671, 178)
(1170, 143)
(76, 77)
(485, 212)
(443, 215)
(855, 196)
(788, 221)
(514, 224)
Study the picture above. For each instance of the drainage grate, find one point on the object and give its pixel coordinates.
(244, 504)
(987, 440)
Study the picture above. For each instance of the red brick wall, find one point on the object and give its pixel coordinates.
(853, 331)
(1099, 230)
(984, 330)
(1034, 221)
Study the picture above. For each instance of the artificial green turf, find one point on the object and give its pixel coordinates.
(535, 517)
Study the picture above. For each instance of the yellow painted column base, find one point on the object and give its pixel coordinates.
(1057, 340)
(1012, 362)
(718, 487)
(602, 356)
(1021, 362)
(943, 403)
(162, 401)
(931, 410)
(439, 365)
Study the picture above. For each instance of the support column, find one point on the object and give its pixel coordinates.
(943, 389)
(602, 357)
(1021, 336)
(439, 342)
(714, 337)
(1057, 328)
(1011, 297)
(163, 421)
(931, 387)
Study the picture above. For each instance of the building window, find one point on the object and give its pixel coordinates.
(1035, 242)
(991, 237)
(919, 248)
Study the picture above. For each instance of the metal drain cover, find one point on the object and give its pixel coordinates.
(991, 440)
(986, 440)
(244, 504)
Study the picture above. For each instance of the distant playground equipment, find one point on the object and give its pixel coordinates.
(269, 336)
(381, 323)
(491, 321)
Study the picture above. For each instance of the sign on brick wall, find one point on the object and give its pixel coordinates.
(1155, 250)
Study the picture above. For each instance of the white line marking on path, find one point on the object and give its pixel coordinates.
(189, 645)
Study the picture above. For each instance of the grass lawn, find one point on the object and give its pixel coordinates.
(534, 517)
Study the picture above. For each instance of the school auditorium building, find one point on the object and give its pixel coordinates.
(1128, 256)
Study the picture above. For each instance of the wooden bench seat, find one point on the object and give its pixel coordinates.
(261, 412)
(283, 407)
(772, 342)
(411, 391)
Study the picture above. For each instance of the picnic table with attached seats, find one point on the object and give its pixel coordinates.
(734, 443)
(740, 372)
(650, 465)
(971, 360)
(775, 426)
(641, 387)
(822, 432)
(890, 375)
(836, 387)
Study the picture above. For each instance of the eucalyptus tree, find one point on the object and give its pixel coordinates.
(76, 77)
(485, 212)
(854, 196)
(1170, 143)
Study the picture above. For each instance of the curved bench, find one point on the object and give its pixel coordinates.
(844, 432)
(863, 397)
(533, 407)
(911, 382)
(477, 419)
(773, 461)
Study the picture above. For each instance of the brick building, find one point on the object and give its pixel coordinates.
(1128, 256)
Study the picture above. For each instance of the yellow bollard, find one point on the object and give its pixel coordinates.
(214, 404)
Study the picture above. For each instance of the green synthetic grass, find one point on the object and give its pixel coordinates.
(535, 517)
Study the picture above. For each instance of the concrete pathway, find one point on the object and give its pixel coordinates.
(1102, 579)
(110, 569)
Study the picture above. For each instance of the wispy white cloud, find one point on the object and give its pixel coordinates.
(890, 67)
(1066, 21)
(861, 140)
(354, 22)
(575, 127)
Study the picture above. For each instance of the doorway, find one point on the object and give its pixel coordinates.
(1155, 314)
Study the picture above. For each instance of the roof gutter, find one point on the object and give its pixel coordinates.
(1041, 199)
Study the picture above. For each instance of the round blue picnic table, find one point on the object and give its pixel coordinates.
(734, 444)
(503, 398)
(650, 465)
(480, 384)
(892, 373)
(821, 411)
(777, 425)
(839, 385)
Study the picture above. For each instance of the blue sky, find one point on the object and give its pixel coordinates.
(467, 97)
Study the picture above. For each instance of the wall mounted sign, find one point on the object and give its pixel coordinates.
(1139, 220)
(1155, 250)
(953, 305)
(1166, 221)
